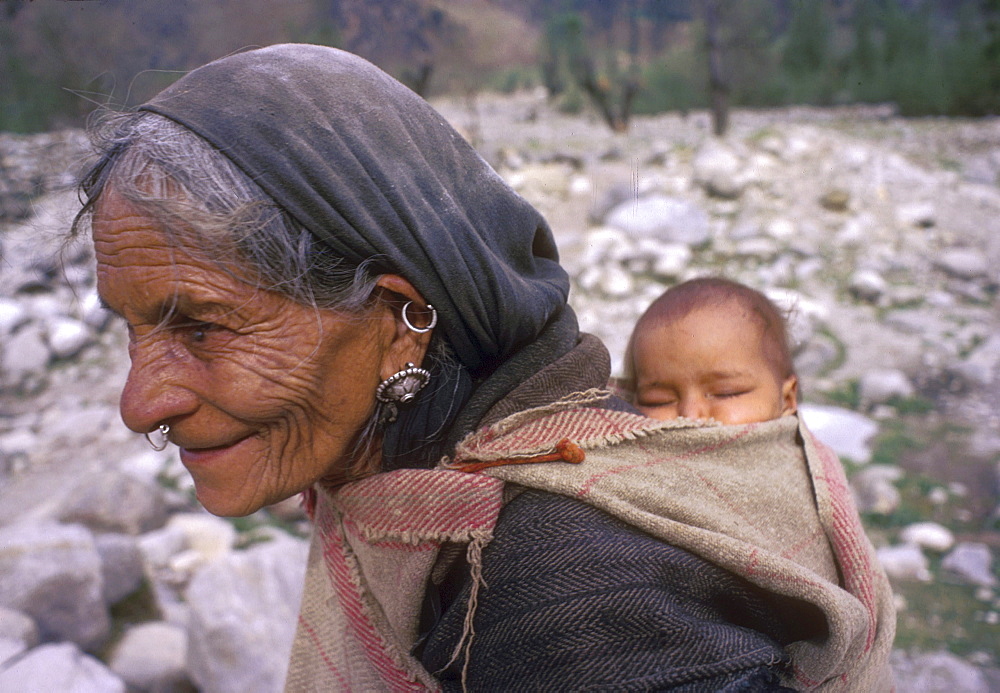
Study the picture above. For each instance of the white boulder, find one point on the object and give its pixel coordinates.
(59, 667)
(928, 535)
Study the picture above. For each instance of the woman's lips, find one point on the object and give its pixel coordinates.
(207, 455)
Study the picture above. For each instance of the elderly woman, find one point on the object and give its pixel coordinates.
(328, 292)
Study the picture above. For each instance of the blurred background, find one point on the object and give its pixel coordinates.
(841, 155)
(938, 57)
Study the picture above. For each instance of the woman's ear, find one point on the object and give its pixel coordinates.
(789, 395)
(408, 345)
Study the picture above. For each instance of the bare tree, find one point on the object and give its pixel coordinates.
(718, 87)
(615, 108)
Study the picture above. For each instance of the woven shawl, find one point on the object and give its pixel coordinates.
(765, 501)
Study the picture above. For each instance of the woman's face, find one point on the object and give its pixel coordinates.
(263, 396)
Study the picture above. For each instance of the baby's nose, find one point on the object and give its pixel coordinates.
(693, 407)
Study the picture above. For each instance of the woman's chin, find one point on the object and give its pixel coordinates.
(236, 502)
(229, 480)
(224, 507)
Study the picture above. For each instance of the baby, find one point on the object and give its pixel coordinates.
(711, 348)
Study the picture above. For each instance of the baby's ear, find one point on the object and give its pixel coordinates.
(789, 395)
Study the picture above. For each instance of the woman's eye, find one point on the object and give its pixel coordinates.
(195, 330)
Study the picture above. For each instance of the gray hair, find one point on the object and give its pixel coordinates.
(207, 203)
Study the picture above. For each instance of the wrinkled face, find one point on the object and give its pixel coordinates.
(262, 395)
(709, 364)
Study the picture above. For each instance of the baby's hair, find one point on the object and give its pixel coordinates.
(709, 292)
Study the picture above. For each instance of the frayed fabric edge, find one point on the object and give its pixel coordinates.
(472, 446)
(474, 556)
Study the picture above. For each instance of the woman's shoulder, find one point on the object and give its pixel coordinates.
(572, 594)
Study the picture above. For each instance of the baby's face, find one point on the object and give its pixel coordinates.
(709, 364)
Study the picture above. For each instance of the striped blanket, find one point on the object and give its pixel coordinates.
(765, 501)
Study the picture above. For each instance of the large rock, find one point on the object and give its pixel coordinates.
(18, 634)
(868, 285)
(652, 256)
(720, 170)
(609, 280)
(92, 312)
(816, 356)
(928, 535)
(16, 625)
(61, 668)
(160, 550)
(971, 563)
(905, 562)
(541, 180)
(106, 501)
(121, 565)
(964, 263)
(10, 650)
(875, 491)
(881, 385)
(53, 573)
(66, 337)
(23, 357)
(208, 536)
(846, 431)
(666, 218)
(916, 214)
(982, 366)
(12, 316)
(151, 657)
(244, 608)
(936, 672)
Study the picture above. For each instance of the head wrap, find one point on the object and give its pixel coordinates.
(370, 168)
(373, 171)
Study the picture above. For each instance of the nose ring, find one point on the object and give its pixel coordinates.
(164, 431)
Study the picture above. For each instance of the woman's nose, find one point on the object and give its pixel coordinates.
(155, 391)
(693, 407)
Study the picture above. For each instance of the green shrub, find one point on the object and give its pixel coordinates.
(668, 86)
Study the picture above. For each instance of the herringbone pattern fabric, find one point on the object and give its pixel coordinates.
(577, 600)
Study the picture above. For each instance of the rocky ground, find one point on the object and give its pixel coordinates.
(881, 236)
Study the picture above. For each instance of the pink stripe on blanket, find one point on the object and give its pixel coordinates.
(594, 426)
(341, 570)
(847, 539)
(323, 654)
(583, 426)
(792, 552)
(414, 505)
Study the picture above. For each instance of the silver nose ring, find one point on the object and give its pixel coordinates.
(164, 431)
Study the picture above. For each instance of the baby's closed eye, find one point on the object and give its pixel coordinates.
(727, 394)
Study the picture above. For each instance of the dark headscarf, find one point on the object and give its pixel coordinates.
(373, 171)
